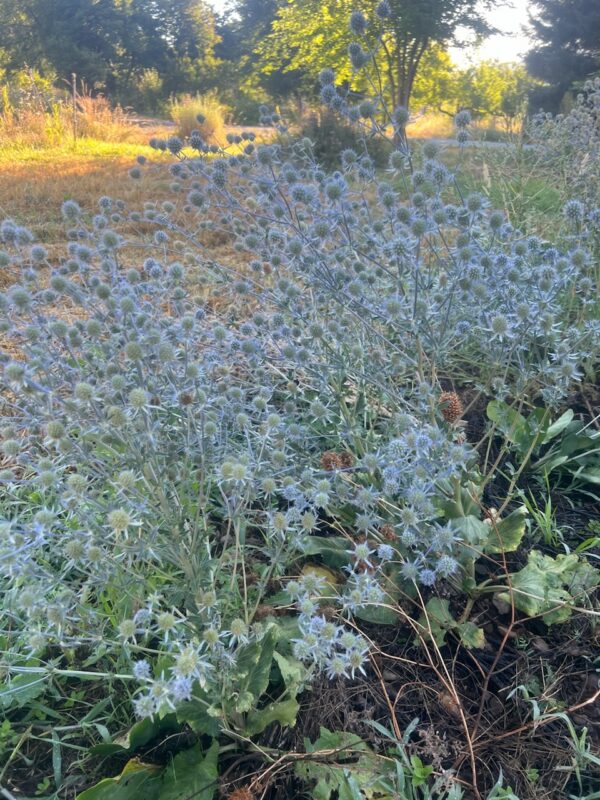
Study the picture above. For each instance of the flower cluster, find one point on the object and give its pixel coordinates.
(330, 647)
(166, 466)
(570, 145)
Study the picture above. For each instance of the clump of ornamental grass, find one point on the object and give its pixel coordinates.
(203, 113)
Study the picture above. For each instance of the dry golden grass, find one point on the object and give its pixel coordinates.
(34, 183)
(38, 126)
(33, 192)
(432, 125)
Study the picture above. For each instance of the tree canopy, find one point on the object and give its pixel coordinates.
(110, 43)
(141, 52)
(568, 32)
(314, 34)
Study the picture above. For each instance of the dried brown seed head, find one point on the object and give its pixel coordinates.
(451, 407)
(330, 461)
(346, 459)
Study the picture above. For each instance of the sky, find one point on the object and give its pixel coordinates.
(508, 45)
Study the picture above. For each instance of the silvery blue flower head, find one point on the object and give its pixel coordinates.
(383, 10)
(574, 211)
(326, 77)
(358, 23)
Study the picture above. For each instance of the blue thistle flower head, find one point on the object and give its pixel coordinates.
(384, 10)
(358, 23)
(326, 77)
(70, 210)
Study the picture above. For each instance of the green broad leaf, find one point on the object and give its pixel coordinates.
(559, 568)
(334, 740)
(332, 549)
(559, 426)
(473, 534)
(462, 504)
(587, 475)
(583, 579)
(546, 465)
(437, 621)
(576, 439)
(383, 613)
(539, 589)
(254, 664)
(137, 781)
(421, 772)
(505, 536)
(470, 635)
(138, 735)
(196, 714)
(283, 712)
(511, 424)
(355, 774)
(293, 672)
(472, 530)
(192, 774)
(378, 615)
(21, 690)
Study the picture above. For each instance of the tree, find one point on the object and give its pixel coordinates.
(314, 34)
(496, 89)
(245, 26)
(109, 43)
(66, 35)
(568, 32)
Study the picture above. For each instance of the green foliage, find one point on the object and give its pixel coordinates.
(331, 135)
(111, 44)
(566, 50)
(344, 768)
(436, 621)
(496, 89)
(139, 735)
(192, 773)
(565, 448)
(551, 587)
(312, 35)
(231, 495)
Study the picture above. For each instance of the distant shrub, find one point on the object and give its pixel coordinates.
(244, 109)
(330, 135)
(204, 113)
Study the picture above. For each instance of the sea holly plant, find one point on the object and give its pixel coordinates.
(425, 278)
(204, 506)
(570, 145)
